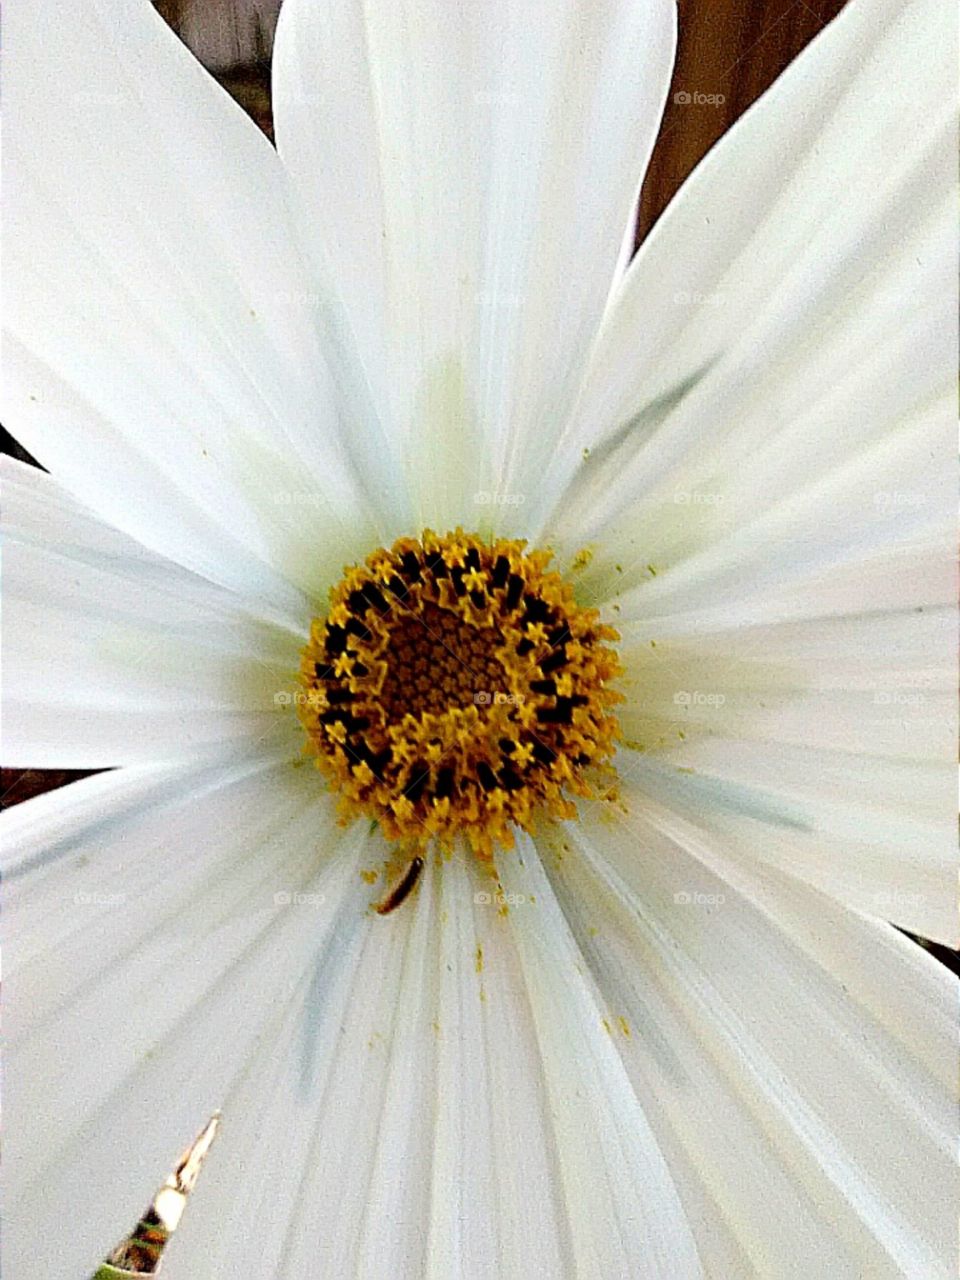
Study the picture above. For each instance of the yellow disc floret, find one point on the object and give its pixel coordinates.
(455, 688)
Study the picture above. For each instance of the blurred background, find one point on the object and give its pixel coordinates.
(729, 52)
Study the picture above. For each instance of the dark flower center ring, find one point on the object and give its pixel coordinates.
(455, 688)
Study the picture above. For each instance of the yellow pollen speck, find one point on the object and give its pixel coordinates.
(453, 556)
(369, 877)
(456, 690)
(402, 807)
(478, 964)
(363, 775)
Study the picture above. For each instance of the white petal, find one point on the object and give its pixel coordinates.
(793, 309)
(873, 833)
(824, 744)
(822, 741)
(114, 655)
(797, 1061)
(829, 546)
(622, 1203)
(155, 941)
(414, 1120)
(163, 353)
(471, 170)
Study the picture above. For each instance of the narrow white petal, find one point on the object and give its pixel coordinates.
(471, 170)
(164, 354)
(624, 1214)
(816, 545)
(794, 307)
(797, 1061)
(159, 922)
(873, 833)
(113, 655)
(816, 726)
(399, 1125)
(417, 1116)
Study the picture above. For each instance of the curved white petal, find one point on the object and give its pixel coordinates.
(623, 1207)
(819, 676)
(813, 717)
(818, 549)
(163, 352)
(797, 1061)
(875, 834)
(794, 308)
(160, 922)
(420, 1117)
(113, 655)
(471, 169)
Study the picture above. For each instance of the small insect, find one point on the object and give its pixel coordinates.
(402, 889)
(141, 1253)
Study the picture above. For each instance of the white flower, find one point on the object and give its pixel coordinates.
(691, 1042)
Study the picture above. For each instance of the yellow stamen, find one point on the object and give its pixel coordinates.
(456, 688)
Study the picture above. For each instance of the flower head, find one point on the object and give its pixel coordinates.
(414, 694)
(670, 1031)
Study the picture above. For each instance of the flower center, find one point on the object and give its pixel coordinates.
(455, 688)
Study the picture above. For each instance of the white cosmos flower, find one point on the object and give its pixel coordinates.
(693, 1043)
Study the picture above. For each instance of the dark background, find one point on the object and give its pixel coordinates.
(729, 49)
